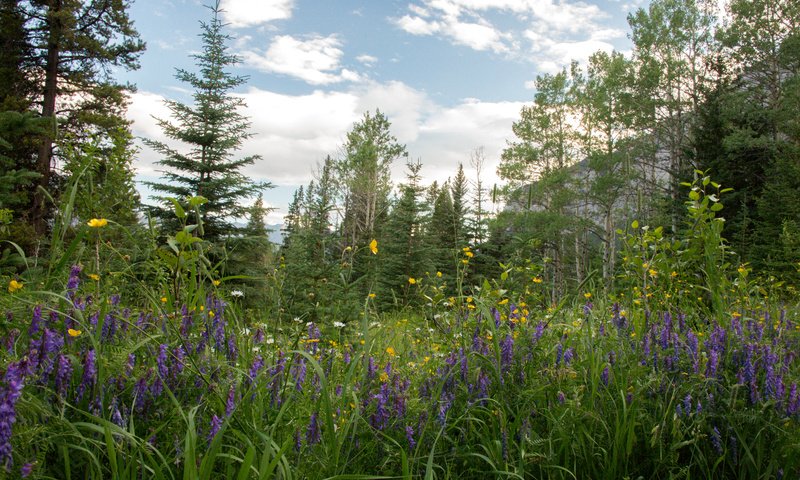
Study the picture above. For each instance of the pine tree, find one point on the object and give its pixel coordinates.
(74, 46)
(459, 191)
(214, 130)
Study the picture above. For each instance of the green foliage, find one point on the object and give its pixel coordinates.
(213, 129)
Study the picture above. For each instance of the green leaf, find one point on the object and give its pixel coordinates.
(179, 211)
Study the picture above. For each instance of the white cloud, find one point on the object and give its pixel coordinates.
(544, 32)
(293, 133)
(315, 59)
(367, 60)
(249, 13)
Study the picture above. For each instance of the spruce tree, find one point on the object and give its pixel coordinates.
(214, 130)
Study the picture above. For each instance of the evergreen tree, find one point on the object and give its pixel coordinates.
(214, 130)
(459, 191)
(404, 251)
(73, 47)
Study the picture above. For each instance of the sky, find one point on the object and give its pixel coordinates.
(450, 75)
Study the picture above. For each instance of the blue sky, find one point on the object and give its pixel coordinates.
(451, 75)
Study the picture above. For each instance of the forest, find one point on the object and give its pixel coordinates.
(622, 304)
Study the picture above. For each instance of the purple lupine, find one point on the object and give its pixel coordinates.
(312, 431)
(230, 403)
(258, 364)
(506, 353)
(371, 368)
(346, 357)
(26, 470)
(51, 346)
(692, 344)
(379, 419)
(89, 374)
(299, 372)
(129, 364)
(216, 425)
(140, 391)
(179, 361)
(537, 334)
(233, 349)
(63, 375)
(410, 437)
(604, 376)
(74, 280)
(9, 395)
(793, 405)
(716, 441)
(298, 441)
(569, 354)
(713, 363)
(587, 308)
(561, 397)
(559, 353)
(687, 403)
(116, 415)
(483, 386)
(259, 336)
(36, 320)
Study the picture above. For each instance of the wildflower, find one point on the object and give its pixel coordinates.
(587, 295)
(73, 333)
(652, 272)
(373, 246)
(230, 403)
(391, 351)
(371, 295)
(8, 415)
(338, 324)
(94, 277)
(312, 432)
(716, 441)
(604, 376)
(439, 275)
(237, 293)
(410, 437)
(89, 374)
(14, 285)
(383, 377)
(97, 222)
(537, 279)
(163, 299)
(412, 280)
(469, 254)
(216, 424)
(63, 375)
(26, 470)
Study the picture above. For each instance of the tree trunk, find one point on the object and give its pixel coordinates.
(43, 164)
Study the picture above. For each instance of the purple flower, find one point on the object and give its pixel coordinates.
(230, 403)
(26, 470)
(9, 395)
(604, 376)
(89, 374)
(713, 363)
(299, 371)
(559, 353)
(561, 397)
(258, 364)
(74, 280)
(506, 353)
(35, 321)
(371, 369)
(716, 441)
(410, 437)
(793, 405)
(569, 354)
(63, 375)
(380, 418)
(312, 431)
(216, 424)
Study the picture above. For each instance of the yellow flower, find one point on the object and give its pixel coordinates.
(465, 249)
(469, 254)
(469, 299)
(537, 279)
(373, 247)
(587, 295)
(503, 301)
(216, 283)
(163, 299)
(94, 276)
(384, 377)
(439, 274)
(348, 248)
(73, 333)
(673, 274)
(391, 351)
(211, 314)
(652, 272)
(13, 286)
(97, 222)
(371, 295)
(465, 261)
(412, 280)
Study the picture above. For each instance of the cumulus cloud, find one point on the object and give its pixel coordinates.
(549, 33)
(250, 13)
(293, 133)
(314, 59)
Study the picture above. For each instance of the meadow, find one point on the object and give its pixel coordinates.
(106, 374)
